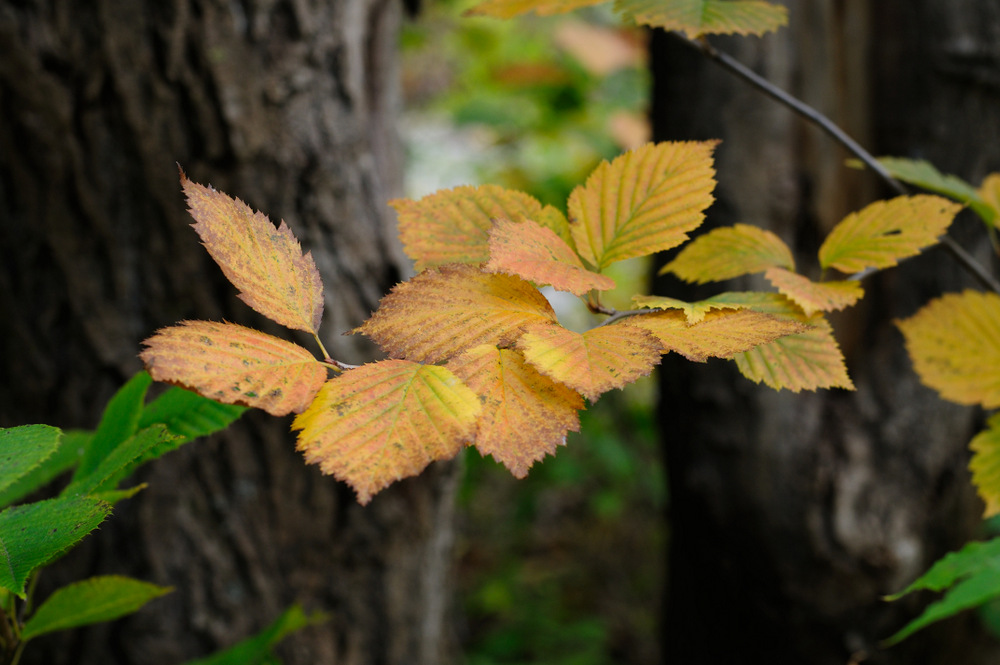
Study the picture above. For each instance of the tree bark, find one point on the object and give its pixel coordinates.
(291, 107)
(792, 514)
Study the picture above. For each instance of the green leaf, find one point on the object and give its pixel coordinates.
(187, 416)
(36, 533)
(119, 422)
(257, 650)
(90, 601)
(23, 449)
(72, 445)
(120, 462)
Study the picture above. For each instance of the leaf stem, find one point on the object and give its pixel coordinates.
(616, 315)
(326, 356)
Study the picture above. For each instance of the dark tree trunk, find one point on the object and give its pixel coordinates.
(291, 107)
(791, 515)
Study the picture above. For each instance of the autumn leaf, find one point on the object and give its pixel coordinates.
(813, 296)
(512, 8)
(453, 226)
(693, 311)
(385, 421)
(593, 362)
(989, 192)
(537, 254)
(701, 17)
(954, 342)
(645, 201)
(728, 252)
(525, 415)
(886, 231)
(440, 313)
(265, 263)
(235, 365)
(985, 465)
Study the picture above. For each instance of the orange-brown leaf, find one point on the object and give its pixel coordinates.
(440, 313)
(385, 421)
(525, 415)
(235, 365)
(537, 254)
(693, 311)
(728, 252)
(265, 263)
(813, 296)
(593, 362)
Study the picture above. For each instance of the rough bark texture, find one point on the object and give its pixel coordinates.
(793, 514)
(289, 105)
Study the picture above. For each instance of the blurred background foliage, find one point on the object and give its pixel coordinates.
(565, 567)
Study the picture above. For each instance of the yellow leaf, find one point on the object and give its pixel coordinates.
(386, 421)
(954, 342)
(702, 17)
(453, 226)
(265, 263)
(886, 231)
(525, 415)
(728, 252)
(693, 311)
(645, 201)
(989, 192)
(593, 362)
(537, 254)
(985, 465)
(512, 8)
(721, 334)
(235, 365)
(813, 296)
(440, 313)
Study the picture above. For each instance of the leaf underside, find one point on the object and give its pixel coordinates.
(729, 252)
(701, 17)
(813, 296)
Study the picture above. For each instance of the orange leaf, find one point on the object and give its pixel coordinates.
(235, 365)
(537, 254)
(728, 252)
(813, 296)
(593, 362)
(721, 334)
(512, 8)
(525, 415)
(693, 311)
(645, 201)
(265, 263)
(386, 421)
(440, 313)
(453, 226)
(702, 17)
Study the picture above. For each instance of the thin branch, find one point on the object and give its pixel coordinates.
(616, 315)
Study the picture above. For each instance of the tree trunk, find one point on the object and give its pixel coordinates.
(291, 107)
(792, 514)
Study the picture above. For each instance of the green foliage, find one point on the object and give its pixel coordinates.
(257, 650)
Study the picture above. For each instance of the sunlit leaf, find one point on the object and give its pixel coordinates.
(525, 415)
(386, 421)
(728, 252)
(265, 263)
(954, 342)
(701, 17)
(235, 365)
(813, 296)
(886, 231)
(693, 311)
(985, 465)
(440, 313)
(645, 201)
(537, 254)
(512, 8)
(593, 362)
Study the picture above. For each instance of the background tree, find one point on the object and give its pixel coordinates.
(290, 106)
(791, 515)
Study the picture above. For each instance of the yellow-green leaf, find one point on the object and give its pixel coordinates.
(985, 465)
(512, 8)
(235, 365)
(265, 263)
(701, 17)
(693, 311)
(989, 192)
(645, 201)
(813, 296)
(537, 254)
(954, 342)
(525, 415)
(728, 252)
(453, 225)
(440, 313)
(593, 362)
(886, 231)
(386, 421)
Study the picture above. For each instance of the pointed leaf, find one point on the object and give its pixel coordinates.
(235, 365)
(886, 231)
(187, 416)
(440, 313)
(813, 296)
(645, 201)
(265, 263)
(703, 17)
(728, 252)
(693, 311)
(985, 465)
(525, 415)
(119, 421)
(256, 650)
(93, 600)
(23, 449)
(120, 462)
(594, 362)
(512, 8)
(989, 192)
(386, 421)
(954, 342)
(72, 445)
(538, 255)
(721, 334)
